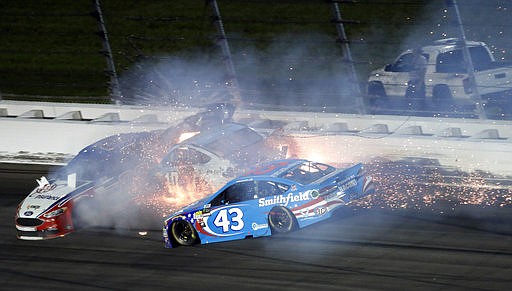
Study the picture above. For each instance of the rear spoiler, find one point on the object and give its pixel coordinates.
(354, 169)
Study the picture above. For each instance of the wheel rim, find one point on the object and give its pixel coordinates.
(281, 220)
(183, 232)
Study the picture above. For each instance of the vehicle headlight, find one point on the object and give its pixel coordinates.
(54, 213)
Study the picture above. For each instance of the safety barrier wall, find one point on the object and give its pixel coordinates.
(45, 129)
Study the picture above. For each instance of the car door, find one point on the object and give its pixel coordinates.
(233, 213)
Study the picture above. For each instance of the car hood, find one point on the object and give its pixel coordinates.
(44, 197)
(194, 206)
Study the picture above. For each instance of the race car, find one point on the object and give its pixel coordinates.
(217, 156)
(275, 197)
(83, 191)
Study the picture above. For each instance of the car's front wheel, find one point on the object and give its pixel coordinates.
(282, 220)
(184, 233)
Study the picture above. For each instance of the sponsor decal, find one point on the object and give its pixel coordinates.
(28, 213)
(49, 197)
(256, 226)
(201, 213)
(33, 207)
(285, 200)
(46, 188)
(200, 221)
(321, 210)
(347, 185)
(314, 194)
(351, 177)
(342, 188)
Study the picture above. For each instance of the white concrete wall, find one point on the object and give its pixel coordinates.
(464, 144)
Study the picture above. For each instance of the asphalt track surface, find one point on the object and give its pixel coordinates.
(363, 249)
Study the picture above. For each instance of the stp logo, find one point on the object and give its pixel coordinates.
(320, 210)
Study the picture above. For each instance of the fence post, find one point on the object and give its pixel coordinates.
(115, 91)
(347, 56)
(469, 61)
(231, 80)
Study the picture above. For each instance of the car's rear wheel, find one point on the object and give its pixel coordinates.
(184, 233)
(282, 220)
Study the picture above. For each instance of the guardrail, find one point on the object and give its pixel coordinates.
(45, 129)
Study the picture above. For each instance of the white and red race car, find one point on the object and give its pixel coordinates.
(83, 191)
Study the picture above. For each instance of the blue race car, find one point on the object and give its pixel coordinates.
(275, 197)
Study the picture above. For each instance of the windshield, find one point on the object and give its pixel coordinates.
(307, 172)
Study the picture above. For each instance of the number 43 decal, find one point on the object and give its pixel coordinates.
(230, 219)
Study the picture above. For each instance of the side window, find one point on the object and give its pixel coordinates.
(270, 188)
(451, 62)
(219, 200)
(404, 63)
(238, 192)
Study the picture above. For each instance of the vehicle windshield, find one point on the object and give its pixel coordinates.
(307, 172)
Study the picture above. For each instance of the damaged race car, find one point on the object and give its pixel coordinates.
(209, 160)
(82, 192)
(276, 197)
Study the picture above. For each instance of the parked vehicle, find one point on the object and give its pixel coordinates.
(446, 75)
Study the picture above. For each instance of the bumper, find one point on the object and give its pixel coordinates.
(43, 228)
(25, 234)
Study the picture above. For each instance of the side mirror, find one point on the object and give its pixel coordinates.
(388, 68)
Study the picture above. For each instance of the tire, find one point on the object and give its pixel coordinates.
(441, 93)
(183, 233)
(376, 90)
(282, 220)
(376, 97)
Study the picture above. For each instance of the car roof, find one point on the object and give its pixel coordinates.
(448, 44)
(205, 138)
(273, 168)
(213, 140)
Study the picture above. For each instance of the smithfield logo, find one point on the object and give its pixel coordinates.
(284, 200)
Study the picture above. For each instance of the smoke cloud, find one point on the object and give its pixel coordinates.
(305, 71)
